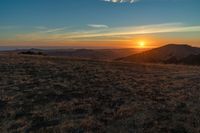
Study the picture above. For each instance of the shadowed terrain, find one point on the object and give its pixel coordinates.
(58, 94)
(98, 54)
(170, 54)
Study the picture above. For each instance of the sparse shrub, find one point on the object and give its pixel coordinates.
(125, 111)
(32, 53)
(90, 124)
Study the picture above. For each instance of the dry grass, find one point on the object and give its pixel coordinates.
(48, 94)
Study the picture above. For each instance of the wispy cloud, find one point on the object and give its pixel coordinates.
(132, 1)
(110, 33)
(54, 30)
(41, 29)
(121, 1)
(98, 26)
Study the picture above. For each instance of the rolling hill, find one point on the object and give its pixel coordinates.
(171, 53)
(100, 54)
(93, 53)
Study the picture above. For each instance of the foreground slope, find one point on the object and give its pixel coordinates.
(50, 94)
(171, 53)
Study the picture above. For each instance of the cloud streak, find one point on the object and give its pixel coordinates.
(98, 26)
(109, 33)
(121, 1)
(133, 1)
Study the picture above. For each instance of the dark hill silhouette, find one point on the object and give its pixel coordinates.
(191, 60)
(105, 54)
(171, 53)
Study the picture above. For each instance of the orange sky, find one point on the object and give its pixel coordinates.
(150, 41)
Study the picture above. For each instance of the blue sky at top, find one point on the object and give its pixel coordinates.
(30, 16)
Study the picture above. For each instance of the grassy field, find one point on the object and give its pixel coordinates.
(55, 95)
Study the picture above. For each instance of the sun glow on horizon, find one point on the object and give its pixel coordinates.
(141, 44)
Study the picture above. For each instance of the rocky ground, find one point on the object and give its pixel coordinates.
(55, 95)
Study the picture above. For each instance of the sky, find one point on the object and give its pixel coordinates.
(99, 23)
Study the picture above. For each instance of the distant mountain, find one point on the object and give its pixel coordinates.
(93, 53)
(171, 53)
(101, 54)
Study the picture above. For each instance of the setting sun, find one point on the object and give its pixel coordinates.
(141, 44)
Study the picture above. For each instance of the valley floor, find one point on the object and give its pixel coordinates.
(55, 94)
